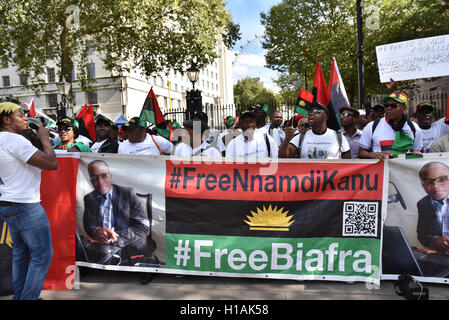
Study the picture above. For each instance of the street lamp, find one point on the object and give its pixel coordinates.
(194, 100)
(64, 89)
(193, 73)
(360, 54)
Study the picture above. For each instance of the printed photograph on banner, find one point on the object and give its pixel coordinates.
(120, 211)
(302, 222)
(416, 232)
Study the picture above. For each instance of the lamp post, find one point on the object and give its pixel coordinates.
(64, 89)
(194, 100)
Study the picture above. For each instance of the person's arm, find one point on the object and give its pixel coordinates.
(287, 150)
(44, 159)
(346, 155)
(365, 154)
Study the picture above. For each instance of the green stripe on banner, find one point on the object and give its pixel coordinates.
(253, 255)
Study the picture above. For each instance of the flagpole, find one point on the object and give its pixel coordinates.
(169, 98)
(360, 54)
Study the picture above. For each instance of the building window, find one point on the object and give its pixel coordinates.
(52, 100)
(23, 80)
(5, 64)
(91, 70)
(51, 75)
(6, 82)
(92, 97)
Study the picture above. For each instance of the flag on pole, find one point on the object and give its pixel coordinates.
(337, 91)
(152, 113)
(320, 93)
(446, 119)
(87, 122)
(303, 103)
(31, 109)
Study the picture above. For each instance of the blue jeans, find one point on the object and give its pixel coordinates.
(32, 250)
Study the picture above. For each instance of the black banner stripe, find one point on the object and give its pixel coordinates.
(313, 218)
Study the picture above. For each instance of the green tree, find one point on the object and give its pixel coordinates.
(249, 91)
(150, 35)
(301, 32)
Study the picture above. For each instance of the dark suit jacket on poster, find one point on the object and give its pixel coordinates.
(428, 225)
(130, 218)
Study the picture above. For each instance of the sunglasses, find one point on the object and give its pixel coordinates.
(346, 115)
(316, 111)
(97, 177)
(66, 129)
(392, 105)
(429, 181)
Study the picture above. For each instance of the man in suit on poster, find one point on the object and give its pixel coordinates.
(433, 209)
(113, 214)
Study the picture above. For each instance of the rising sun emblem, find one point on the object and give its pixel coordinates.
(269, 219)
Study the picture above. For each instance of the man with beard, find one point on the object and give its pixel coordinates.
(104, 143)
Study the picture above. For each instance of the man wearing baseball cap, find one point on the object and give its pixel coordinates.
(431, 130)
(393, 133)
(104, 143)
(141, 142)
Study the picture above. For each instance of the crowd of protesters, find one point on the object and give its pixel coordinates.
(385, 131)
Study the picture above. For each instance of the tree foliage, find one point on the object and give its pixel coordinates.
(301, 32)
(153, 35)
(249, 91)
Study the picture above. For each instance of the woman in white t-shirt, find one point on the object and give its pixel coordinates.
(318, 143)
(20, 179)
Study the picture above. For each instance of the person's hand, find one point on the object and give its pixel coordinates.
(289, 133)
(391, 86)
(441, 244)
(106, 235)
(43, 133)
(377, 155)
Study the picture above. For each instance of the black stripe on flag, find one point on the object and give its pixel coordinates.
(304, 219)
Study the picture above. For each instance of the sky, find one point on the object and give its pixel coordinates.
(251, 61)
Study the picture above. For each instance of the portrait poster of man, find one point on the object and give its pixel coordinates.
(120, 213)
(416, 233)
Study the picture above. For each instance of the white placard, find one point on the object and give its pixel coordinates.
(414, 59)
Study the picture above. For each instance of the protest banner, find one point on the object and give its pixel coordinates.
(413, 222)
(320, 221)
(414, 59)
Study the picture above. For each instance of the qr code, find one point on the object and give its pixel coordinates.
(360, 219)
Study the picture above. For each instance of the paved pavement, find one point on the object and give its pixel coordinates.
(120, 285)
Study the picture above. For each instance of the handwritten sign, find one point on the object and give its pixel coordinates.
(414, 59)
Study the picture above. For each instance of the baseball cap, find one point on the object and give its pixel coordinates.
(101, 118)
(317, 105)
(396, 95)
(425, 105)
(67, 122)
(136, 123)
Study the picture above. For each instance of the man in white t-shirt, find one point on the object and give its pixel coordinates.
(20, 180)
(141, 142)
(393, 133)
(251, 144)
(195, 144)
(430, 130)
(273, 128)
(104, 142)
(318, 143)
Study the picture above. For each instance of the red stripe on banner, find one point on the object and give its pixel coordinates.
(58, 195)
(275, 181)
